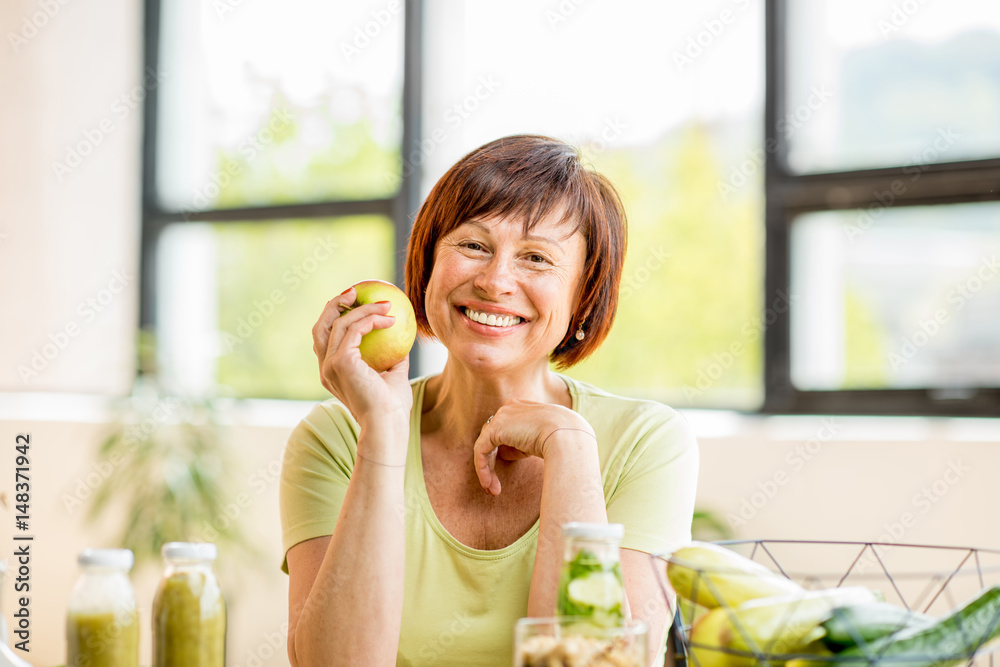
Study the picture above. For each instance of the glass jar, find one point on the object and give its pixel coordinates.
(102, 624)
(189, 613)
(590, 584)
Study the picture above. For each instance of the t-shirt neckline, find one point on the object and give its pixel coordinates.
(416, 471)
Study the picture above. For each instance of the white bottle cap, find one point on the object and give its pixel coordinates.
(121, 559)
(594, 531)
(190, 550)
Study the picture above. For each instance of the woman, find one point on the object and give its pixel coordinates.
(422, 518)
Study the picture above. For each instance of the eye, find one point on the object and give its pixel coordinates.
(472, 245)
(535, 258)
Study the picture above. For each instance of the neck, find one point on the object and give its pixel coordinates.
(459, 401)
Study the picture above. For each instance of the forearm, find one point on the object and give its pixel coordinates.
(571, 491)
(353, 611)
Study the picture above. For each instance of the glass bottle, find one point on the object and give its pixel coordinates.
(189, 613)
(590, 584)
(102, 624)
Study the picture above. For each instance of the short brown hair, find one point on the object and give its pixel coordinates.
(530, 177)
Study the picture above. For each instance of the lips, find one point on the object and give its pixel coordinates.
(492, 319)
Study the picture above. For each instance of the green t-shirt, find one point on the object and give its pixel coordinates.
(460, 604)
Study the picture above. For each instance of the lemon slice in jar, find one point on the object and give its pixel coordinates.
(600, 590)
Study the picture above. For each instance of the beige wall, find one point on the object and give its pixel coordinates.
(863, 476)
(62, 456)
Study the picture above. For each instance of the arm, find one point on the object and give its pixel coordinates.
(571, 484)
(352, 580)
(645, 597)
(571, 491)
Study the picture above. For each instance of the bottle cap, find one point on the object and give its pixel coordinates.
(190, 550)
(594, 531)
(121, 559)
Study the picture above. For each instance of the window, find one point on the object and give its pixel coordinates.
(883, 231)
(666, 99)
(261, 146)
(273, 179)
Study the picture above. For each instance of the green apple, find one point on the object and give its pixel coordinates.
(384, 348)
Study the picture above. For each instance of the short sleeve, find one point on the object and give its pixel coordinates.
(655, 493)
(317, 465)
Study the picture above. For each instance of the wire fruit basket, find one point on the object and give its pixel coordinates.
(922, 579)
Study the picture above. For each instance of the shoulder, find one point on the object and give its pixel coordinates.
(609, 409)
(330, 421)
(631, 428)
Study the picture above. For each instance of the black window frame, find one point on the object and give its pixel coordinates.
(788, 194)
(401, 207)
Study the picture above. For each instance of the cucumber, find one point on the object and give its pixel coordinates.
(860, 624)
(950, 641)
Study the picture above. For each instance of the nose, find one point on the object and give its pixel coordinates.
(496, 278)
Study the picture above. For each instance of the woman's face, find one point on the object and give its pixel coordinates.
(499, 298)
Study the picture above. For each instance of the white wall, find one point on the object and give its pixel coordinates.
(68, 237)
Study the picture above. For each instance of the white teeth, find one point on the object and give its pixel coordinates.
(492, 319)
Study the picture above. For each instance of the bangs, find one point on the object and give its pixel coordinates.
(526, 187)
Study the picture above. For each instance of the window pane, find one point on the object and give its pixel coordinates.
(669, 98)
(910, 299)
(266, 103)
(877, 83)
(238, 301)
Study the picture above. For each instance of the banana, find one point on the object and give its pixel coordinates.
(782, 625)
(713, 576)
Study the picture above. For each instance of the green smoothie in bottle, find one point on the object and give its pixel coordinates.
(189, 613)
(102, 624)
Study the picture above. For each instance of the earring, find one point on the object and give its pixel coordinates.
(580, 335)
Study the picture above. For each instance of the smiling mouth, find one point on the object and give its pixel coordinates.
(491, 319)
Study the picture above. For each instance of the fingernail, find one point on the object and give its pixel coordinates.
(346, 291)
(386, 301)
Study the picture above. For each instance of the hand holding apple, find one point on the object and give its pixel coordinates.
(384, 348)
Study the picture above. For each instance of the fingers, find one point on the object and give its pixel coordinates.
(331, 312)
(351, 327)
(484, 457)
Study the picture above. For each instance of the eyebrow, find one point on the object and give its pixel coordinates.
(530, 237)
